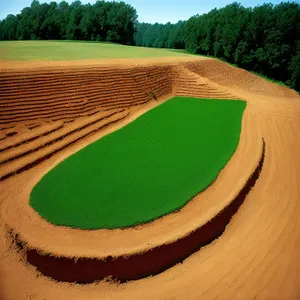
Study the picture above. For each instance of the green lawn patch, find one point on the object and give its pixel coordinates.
(76, 50)
(149, 168)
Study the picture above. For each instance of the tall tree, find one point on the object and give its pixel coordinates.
(103, 21)
(264, 39)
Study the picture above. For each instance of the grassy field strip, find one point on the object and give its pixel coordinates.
(17, 140)
(57, 50)
(144, 170)
(9, 169)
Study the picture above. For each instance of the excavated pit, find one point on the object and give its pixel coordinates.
(40, 99)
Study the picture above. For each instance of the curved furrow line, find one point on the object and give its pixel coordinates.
(43, 141)
(47, 86)
(31, 136)
(67, 75)
(102, 77)
(76, 93)
(66, 117)
(35, 157)
(64, 114)
(73, 99)
(10, 87)
(43, 92)
(69, 107)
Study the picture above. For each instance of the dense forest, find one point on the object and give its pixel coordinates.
(264, 39)
(103, 21)
(161, 36)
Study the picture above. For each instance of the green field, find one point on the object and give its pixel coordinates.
(149, 168)
(67, 50)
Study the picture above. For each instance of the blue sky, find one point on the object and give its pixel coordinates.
(150, 11)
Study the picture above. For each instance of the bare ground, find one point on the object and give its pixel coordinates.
(257, 255)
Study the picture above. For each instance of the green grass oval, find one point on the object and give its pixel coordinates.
(147, 169)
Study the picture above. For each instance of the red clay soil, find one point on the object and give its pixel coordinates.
(47, 156)
(219, 71)
(68, 94)
(59, 95)
(255, 257)
(142, 265)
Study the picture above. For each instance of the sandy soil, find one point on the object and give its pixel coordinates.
(255, 258)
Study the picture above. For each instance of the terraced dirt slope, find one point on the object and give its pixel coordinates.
(62, 95)
(189, 83)
(46, 103)
(218, 72)
(252, 255)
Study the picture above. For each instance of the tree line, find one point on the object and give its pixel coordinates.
(103, 21)
(264, 39)
(161, 36)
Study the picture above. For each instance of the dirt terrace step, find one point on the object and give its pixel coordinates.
(28, 161)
